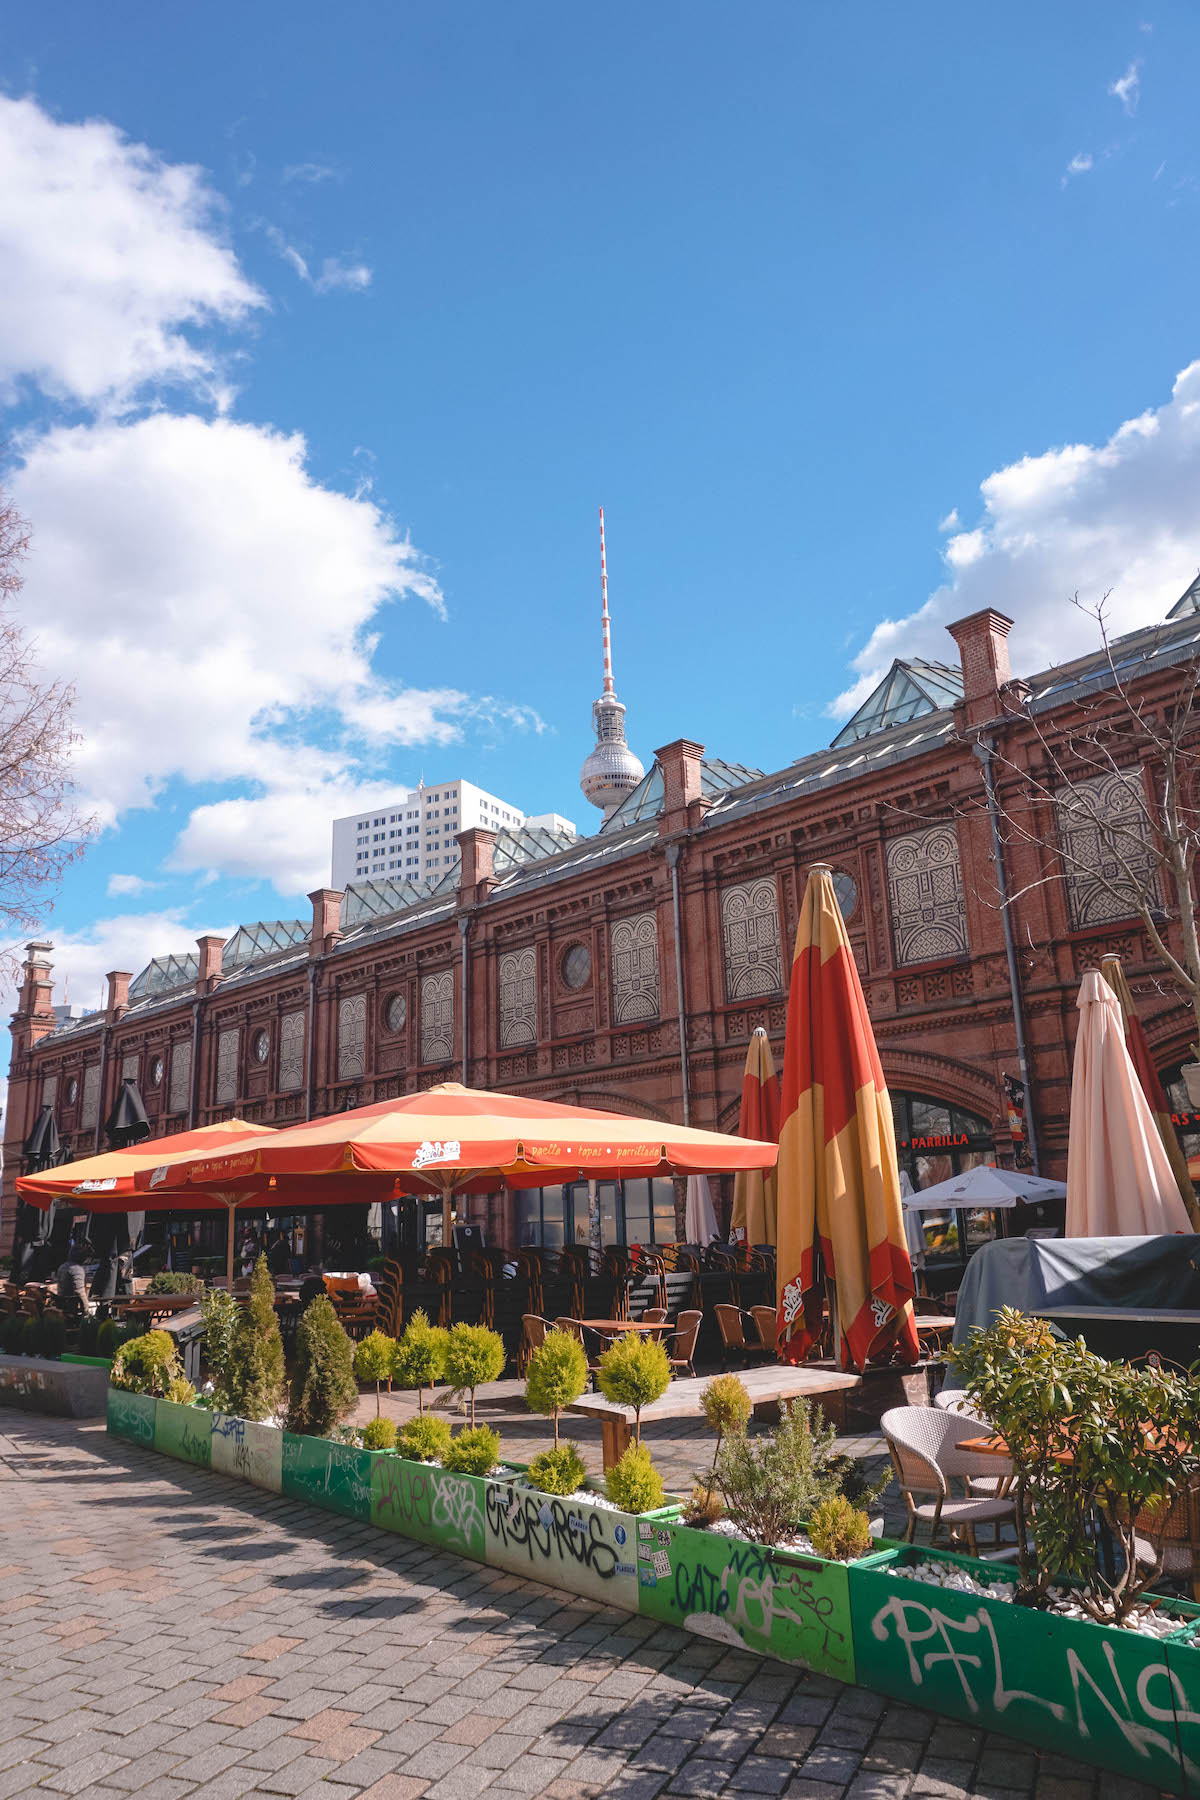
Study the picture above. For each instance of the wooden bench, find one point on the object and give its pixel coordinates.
(766, 1386)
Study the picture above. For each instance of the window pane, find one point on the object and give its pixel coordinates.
(552, 1217)
(663, 1192)
(637, 1212)
(609, 1213)
(580, 1223)
(529, 1216)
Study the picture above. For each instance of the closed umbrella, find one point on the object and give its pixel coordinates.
(700, 1220)
(1119, 1182)
(1139, 1050)
(754, 1190)
(839, 1183)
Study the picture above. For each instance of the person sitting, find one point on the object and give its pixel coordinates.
(279, 1256)
(72, 1287)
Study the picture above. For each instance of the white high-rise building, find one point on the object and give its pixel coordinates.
(412, 838)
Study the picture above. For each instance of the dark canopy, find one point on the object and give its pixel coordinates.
(42, 1148)
(127, 1122)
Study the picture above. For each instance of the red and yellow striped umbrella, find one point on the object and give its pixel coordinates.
(755, 1190)
(1138, 1047)
(840, 1221)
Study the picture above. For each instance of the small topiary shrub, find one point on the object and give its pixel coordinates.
(420, 1358)
(109, 1338)
(635, 1485)
(474, 1451)
(220, 1312)
(12, 1334)
(373, 1360)
(52, 1340)
(378, 1434)
(635, 1372)
(31, 1336)
(174, 1281)
(324, 1390)
(727, 1408)
(147, 1364)
(557, 1471)
(704, 1507)
(425, 1439)
(254, 1381)
(838, 1530)
(558, 1373)
(180, 1389)
(474, 1354)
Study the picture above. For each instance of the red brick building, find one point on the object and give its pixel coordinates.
(627, 970)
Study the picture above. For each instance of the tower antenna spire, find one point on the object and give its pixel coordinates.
(605, 621)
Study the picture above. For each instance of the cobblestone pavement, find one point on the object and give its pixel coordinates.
(168, 1634)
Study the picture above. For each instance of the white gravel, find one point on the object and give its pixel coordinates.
(1149, 1621)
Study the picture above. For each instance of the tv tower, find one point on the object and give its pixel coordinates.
(611, 771)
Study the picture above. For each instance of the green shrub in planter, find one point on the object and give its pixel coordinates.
(558, 1373)
(474, 1354)
(53, 1337)
(220, 1313)
(838, 1530)
(475, 1450)
(174, 1281)
(12, 1335)
(147, 1364)
(773, 1484)
(373, 1360)
(254, 1381)
(634, 1372)
(89, 1326)
(420, 1358)
(324, 1390)
(558, 1471)
(181, 1391)
(727, 1408)
(635, 1485)
(425, 1439)
(109, 1338)
(378, 1434)
(31, 1336)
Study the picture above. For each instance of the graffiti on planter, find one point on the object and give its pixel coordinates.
(197, 1447)
(968, 1646)
(457, 1513)
(404, 1494)
(752, 1595)
(131, 1417)
(546, 1528)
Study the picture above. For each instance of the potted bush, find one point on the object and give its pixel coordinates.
(374, 1358)
(634, 1372)
(474, 1354)
(420, 1357)
(727, 1408)
(254, 1382)
(324, 1391)
(557, 1375)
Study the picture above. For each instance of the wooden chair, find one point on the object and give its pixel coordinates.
(924, 1444)
(682, 1351)
(767, 1321)
(731, 1325)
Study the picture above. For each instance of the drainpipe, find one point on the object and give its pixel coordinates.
(193, 1082)
(100, 1099)
(985, 749)
(308, 1040)
(674, 852)
(464, 927)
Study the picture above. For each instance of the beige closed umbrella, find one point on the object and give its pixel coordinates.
(1119, 1181)
(754, 1190)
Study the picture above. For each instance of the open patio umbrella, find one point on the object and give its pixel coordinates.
(986, 1186)
(455, 1140)
(104, 1183)
(1138, 1047)
(754, 1190)
(1119, 1182)
(839, 1184)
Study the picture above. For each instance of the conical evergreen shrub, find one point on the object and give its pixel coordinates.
(254, 1380)
(324, 1390)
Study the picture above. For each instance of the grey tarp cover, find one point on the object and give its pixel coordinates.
(1027, 1273)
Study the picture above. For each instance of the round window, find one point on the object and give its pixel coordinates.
(397, 1012)
(577, 966)
(72, 1091)
(156, 1071)
(260, 1048)
(846, 889)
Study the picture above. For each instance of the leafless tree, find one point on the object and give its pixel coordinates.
(41, 828)
(1112, 794)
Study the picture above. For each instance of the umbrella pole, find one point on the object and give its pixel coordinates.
(447, 1189)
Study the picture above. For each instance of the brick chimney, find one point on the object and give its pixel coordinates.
(683, 787)
(326, 920)
(476, 880)
(982, 641)
(210, 963)
(37, 989)
(118, 993)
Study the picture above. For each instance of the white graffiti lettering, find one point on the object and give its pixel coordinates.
(456, 1508)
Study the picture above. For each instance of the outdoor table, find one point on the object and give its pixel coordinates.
(1121, 1315)
(156, 1305)
(618, 1327)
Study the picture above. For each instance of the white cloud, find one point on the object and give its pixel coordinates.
(122, 885)
(951, 521)
(109, 256)
(336, 274)
(223, 599)
(1126, 90)
(1118, 517)
(1079, 164)
(314, 172)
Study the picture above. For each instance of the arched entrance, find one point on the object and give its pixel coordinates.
(935, 1140)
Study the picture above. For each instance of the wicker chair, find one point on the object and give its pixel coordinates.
(730, 1323)
(654, 1315)
(766, 1320)
(533, 1336)
(682, 1351)
(924, 1442)
(1180, 1536)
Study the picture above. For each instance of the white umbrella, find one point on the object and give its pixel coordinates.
(1119, 1182)
(987, 1186)
(914, 1231)
(700, 1222)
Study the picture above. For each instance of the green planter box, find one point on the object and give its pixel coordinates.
(87, 1362)
(429, 1504)
(569, 1544)
(334, 1476)
(131, 1416)
(184, 1432)
(1182, 1690)
(774, 1602)
(250, 1451)
(1085, 1690)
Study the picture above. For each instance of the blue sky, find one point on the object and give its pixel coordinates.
(843, 313)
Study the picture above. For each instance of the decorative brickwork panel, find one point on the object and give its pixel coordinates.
(925, 890)
(227, 1068)
(750, 933)
(1107, 858)
(90, 1111)
(352, 1038)
(518, 998)
(437, 1017)
(129, 1067)
(291, 1051)
(180, 1093)
(50, 1090)
(634, 945)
